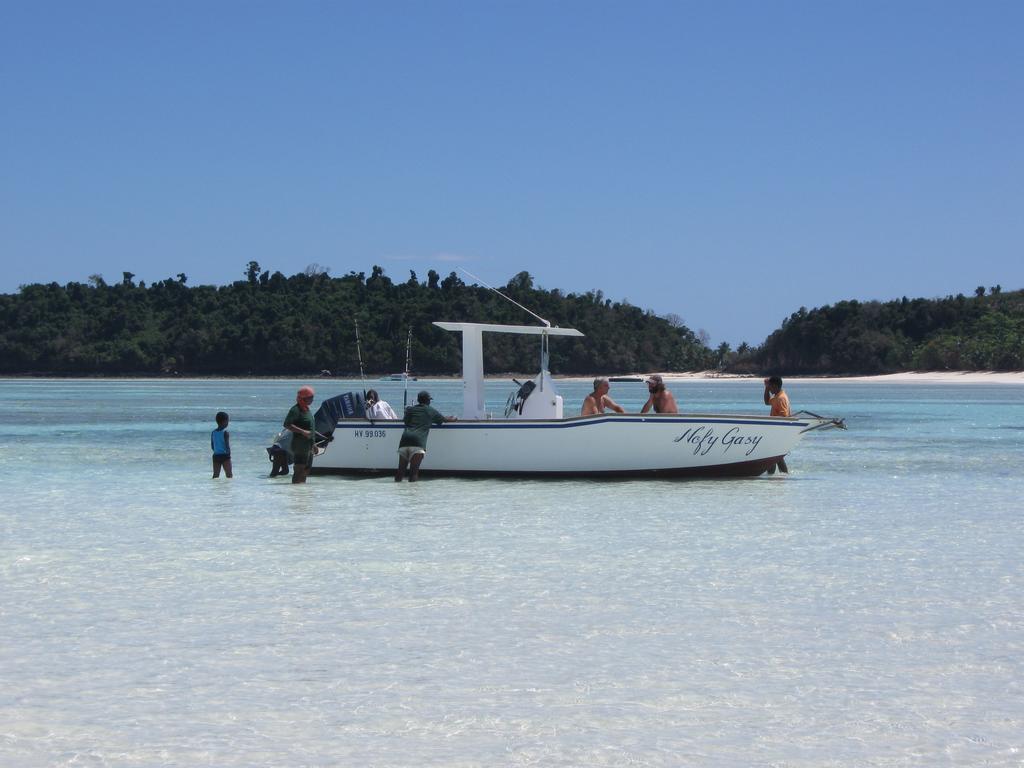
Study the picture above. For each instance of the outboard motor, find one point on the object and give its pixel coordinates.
(347, 406)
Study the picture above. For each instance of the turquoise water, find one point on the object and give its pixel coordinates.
(864, 610)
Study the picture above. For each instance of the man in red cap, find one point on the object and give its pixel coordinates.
(299, 422)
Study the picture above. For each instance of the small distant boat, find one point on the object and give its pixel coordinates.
(398, 377)
(535, 437)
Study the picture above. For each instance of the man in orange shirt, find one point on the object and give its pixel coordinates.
(779, 402)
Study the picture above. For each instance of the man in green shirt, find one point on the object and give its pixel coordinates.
(413, 445)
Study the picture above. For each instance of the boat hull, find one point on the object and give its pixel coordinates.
(657, 445)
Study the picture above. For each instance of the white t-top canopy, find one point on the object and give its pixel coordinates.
(534, 330)
(473, 357)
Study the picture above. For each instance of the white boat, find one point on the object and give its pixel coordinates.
(534, 437)
(398, 377)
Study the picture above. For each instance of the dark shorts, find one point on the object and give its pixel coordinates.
(303, 458)
(220, 458)
(280, 459)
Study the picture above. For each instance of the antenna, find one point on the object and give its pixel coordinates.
(492, 288)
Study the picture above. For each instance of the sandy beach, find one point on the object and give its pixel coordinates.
(924, 377)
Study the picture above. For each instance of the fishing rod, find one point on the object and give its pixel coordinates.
(359, 354)
(408, 359)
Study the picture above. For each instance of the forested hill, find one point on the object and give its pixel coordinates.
(269, 324)
(981, 332)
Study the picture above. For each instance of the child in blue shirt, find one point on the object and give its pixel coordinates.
(220, 442)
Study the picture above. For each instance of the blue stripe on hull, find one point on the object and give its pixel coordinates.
(573, 424)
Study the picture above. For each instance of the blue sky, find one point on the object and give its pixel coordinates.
(727, 162)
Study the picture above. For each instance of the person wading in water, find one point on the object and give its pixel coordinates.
(779, 402)
(299, 422)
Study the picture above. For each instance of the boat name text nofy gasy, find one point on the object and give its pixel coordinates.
(704, 439)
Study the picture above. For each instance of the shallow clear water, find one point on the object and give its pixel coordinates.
(865, 610)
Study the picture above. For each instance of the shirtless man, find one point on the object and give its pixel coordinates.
(598, 400)
(662, 400)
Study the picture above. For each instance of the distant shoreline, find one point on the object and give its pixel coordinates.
(924, 377)
(907, 377)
